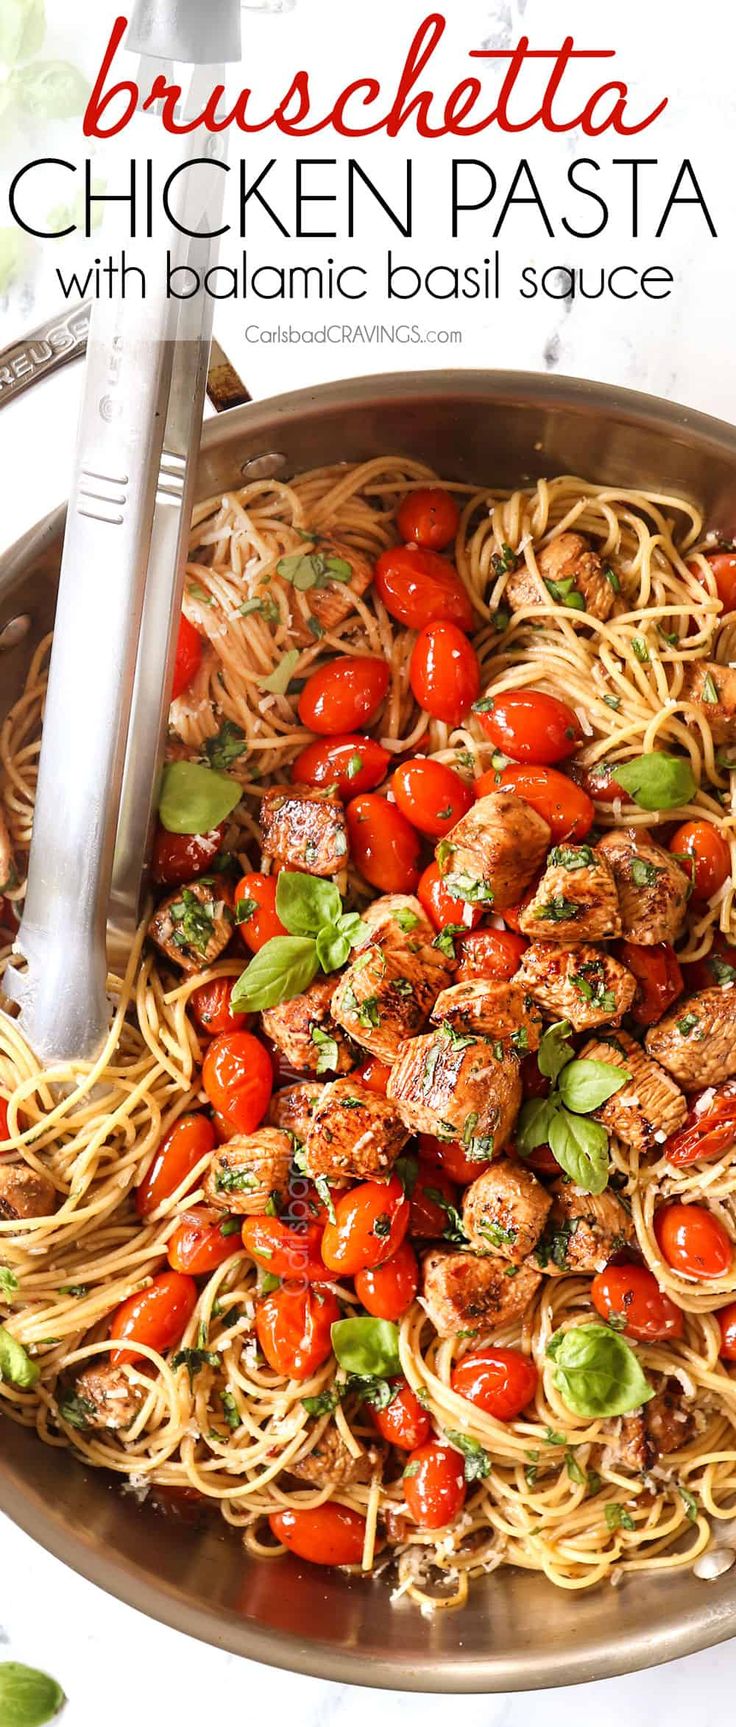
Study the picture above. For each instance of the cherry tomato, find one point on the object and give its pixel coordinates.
(693, 1241)
(444, 672)
(3, 1118)
(532, 726)
(598, 783)
(710, 865)
(490, 953)
(542, 1160)
(440, 905)
(631, 1293)
(388, 1290)
(181, 857)
(344, 694)
(566, 808)
(284, 1250)
(723, 565)
(238, 1079)
(431, 796)
(256, 894)
(512, 913)
(658, 975)
(188, 658)
(717, 968)
(189, 1139)
(210, 1005)
(383, 846)
(330, 1534)
(499, 1381)
(293, 1327)
(727, 1322)
(201, 1241)
(708, 1131)
(403, 1422)
(355, 763)
(450, 1157)
(533, 1083)
(371, 1221)
(429, 1219)
(434, 1485)
(418, 588)
(430, 517)
(158, 1316)
(374, 1075)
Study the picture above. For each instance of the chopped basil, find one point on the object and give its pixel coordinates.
(225, 748)
(445, 941)
(690, 1503)
(477, 1463)
(77, 1412)
(688, 1024)
(305, 570)
(617, 1517)
(194, 1360)
(193, 920)
(453, 1230)
(230, 1410)
(612, 577)
(640, 649)
(558, 909)
(8, 1282)
(565, 593)
(710, 690)
(244, 910)
(497, 1235)
(571, 857)
(354, 766)
(278, 680)
(505, 561)
(328, 1052)
(644, 874)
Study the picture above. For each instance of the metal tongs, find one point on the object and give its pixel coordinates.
(119, 600)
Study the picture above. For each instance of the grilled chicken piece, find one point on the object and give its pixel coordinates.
(583, 1231)
(462, 1291)
(664, 1424)
(712, 689)
(342, 576)
(8, 871)
(386, 993)
(292, 1109)
(458, 1088)
(584, 985)
(24, 1193)
(493, 1010)
(108, 1398)
(652, 889)
(193, 925)
(505, 1209)
(492, 853)
(395, 919)
(696, 1039)
(305, 1031)
(570, 563)
(649, 1107)
(330, 1464)
(576, 899)
(353, 1132)
(248, 1171)
(305, 829)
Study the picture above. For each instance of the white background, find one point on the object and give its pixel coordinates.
(114, 1665)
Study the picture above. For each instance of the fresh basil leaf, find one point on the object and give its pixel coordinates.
(305, 904)
(554, 1049)
(50, 89)
(194, 799)
(8, 1282)
(535, 1122)
(369, 1347)
(596, 1372)
(328, 1052)
(283, 968)
(581, 1147)
(15, 1365)
(22, 29)
(278, 680)
(658, 781)
(28, 1698)
(333, 948)
(585, 1085)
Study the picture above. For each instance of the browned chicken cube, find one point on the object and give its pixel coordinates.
(569, 567)
(292, 1109)
(696, 1039)
(249, 1171)
(397, 920)
(474, 1291)
(457, 1088)
(493, 852)
(652, 888)
(505, 1210)
(105, 1396)
(583, 1231)
(649, 1106)
(387, 991)
(584, 985)
(330, 1464)
(8, 871)
(324, 580)
(24, 1193)
(193, 925)
(576, 899)
(663, 1425)
(306, 1033)
(305, 829)
(712, 690)
(353, 1132)
(494, 1010)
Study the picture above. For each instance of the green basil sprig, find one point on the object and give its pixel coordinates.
(657, 781)
(596, 1372)
(368, 1347)
(561, 1120)
(15, 1365)
(194, 799)
(321, 935)
(28, 1698)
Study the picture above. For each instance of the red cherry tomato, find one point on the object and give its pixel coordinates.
(658, 975)
(499, 1381)
(717, 968)
(201, 1241)
(188, 658)
(512, 913)
(429, 517)
(330, 1534)
(418, 588)
(723, 565)
(434, 1485)
(383, 846)
(181, 857)
(533, 1083)
(709, 1131)
(158, 1316)
(450, 1157)
(190, 1139)
(440, 905)
(210, 1005)
(344, 694)
(727, 1322)
(283, 1250)
(431, 796)
(630, 1293)
(444, 672)
(403, 1422)
(374, 1075)
(293, 1327)
(490, 953)
(256, 894)
(238, 1079)
(355, 763)
(566, 808)
(693, 1241)
(542, 1160)
(532, 726)
(707, 857)
(429, 1219)
(598, 782)
(3, 1118)
(388, 1290)
(371, 1221)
